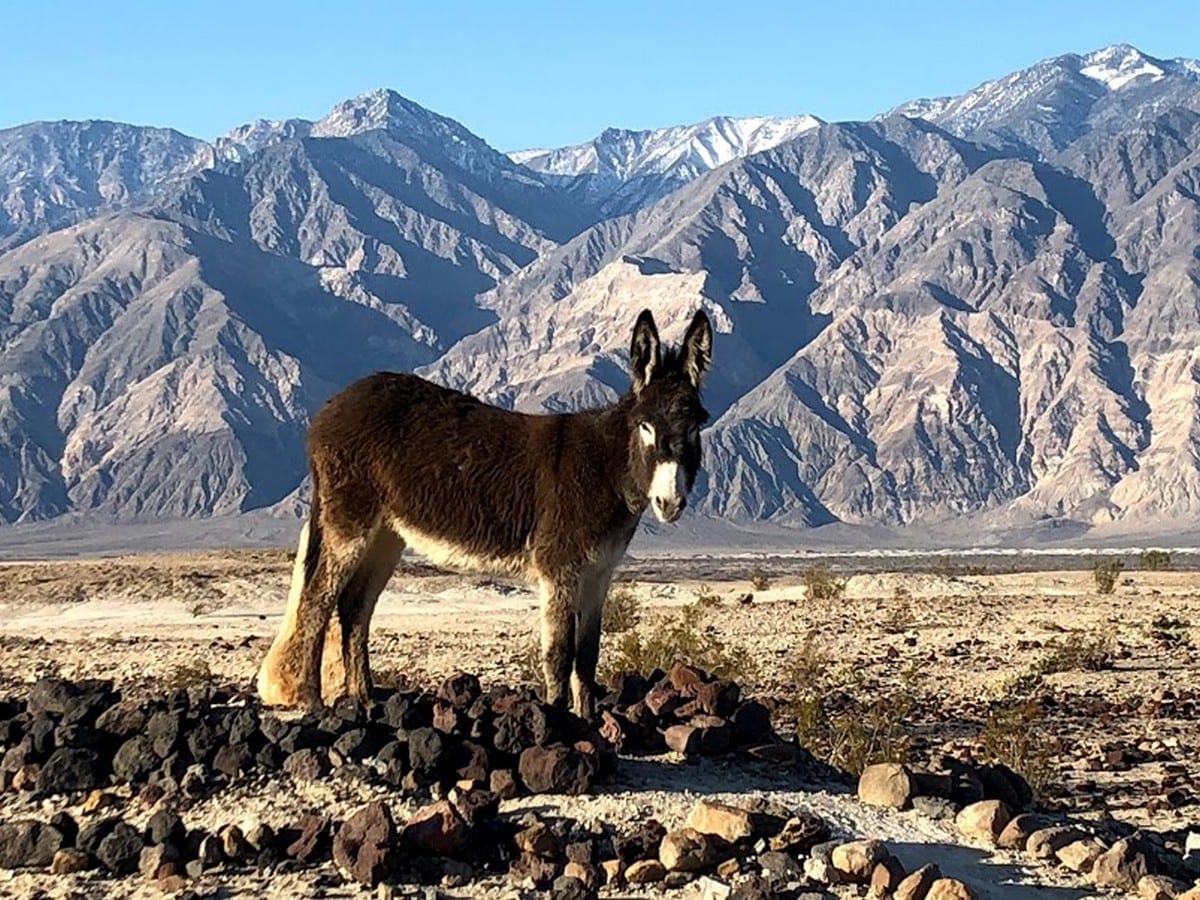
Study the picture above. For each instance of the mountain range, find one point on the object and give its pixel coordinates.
(984, 306)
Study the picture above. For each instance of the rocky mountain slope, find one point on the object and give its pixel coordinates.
(982, 306)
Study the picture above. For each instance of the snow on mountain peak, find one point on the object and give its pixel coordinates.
(1119, 65)
(681, 151)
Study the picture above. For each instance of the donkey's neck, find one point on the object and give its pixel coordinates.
(614, 427)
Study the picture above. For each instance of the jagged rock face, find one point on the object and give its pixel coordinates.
(984, 306)
(55, 173)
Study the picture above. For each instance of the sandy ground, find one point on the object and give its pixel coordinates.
(959, 644)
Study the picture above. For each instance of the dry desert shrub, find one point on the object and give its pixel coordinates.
(846, 719)
(622, 609)
(821, 584)
(1155, 560)
(194, 673)
(1105, 574)
(759, 579)
(1077, 652)
(677, 636)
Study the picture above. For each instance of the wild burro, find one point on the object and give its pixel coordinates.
(399, 462)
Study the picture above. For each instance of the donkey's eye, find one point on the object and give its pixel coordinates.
(646, 430)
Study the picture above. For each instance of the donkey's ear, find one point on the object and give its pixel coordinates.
(697, 347)
(644, 351)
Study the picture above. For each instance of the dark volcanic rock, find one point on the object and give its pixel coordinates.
(135, 759)
(437, 829)
(425, 749)
(121, 849)
(556, 770)
(313, 840)
(233, 759)
(641, 844)
(307, 765)
(165, 827)
(363, 847)
(27, 844)
(71, 769)
(92, 834)
(460, 690)
(66, 826)
(525, 724)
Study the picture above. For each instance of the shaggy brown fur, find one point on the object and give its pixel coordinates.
(397, 461)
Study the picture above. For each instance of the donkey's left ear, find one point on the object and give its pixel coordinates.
(697, 347)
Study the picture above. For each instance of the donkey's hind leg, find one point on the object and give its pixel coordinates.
(376, 569)
(336, 565)
(558, 637)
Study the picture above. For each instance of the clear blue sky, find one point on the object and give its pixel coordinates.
(522, 73)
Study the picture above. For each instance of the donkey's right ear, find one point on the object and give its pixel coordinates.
(644, 351)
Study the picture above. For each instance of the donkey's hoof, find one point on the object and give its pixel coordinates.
(278, 689)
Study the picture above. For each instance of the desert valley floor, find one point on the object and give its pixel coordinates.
(1098, 696)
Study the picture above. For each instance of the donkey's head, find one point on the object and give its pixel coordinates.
(664, 447)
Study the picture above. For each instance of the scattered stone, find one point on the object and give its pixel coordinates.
(121, 849)
(71, 769)
(780, 868)
(856, 860)
(800, 833)
(503, 784)
(232, 760)
(1122, 865)
(307, 765)
(916, 885)
(151, 859)
(567, 887)
(27, 844)
(312, 844)
(949, 889)
(70, 860)
(1159, 887)
(539, 840)
(363, 845)
(437, 829)
(533, 869)
(1080, 856)
(982, 822)
(612, 871)
(135, 759)
(65, 825)
(1046, 842)
(687, 850)
(886, 877)
(886, 784)
(645, 871)
(1016, 833)
(641, 844)
(730, 823)
(584, 872)
(165, 827)
(555, 770)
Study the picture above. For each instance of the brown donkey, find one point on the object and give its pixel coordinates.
(397, 461)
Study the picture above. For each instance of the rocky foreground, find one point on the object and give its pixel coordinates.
(116, 781)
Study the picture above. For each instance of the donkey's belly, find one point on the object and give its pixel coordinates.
(457, 555)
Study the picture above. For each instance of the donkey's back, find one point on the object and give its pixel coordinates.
(436, 466)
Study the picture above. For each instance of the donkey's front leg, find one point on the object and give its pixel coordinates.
(590, 614)
(558, 636)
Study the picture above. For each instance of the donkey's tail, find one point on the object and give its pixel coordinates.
(304, 567)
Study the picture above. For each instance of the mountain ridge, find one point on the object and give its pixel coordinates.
(985, 308)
